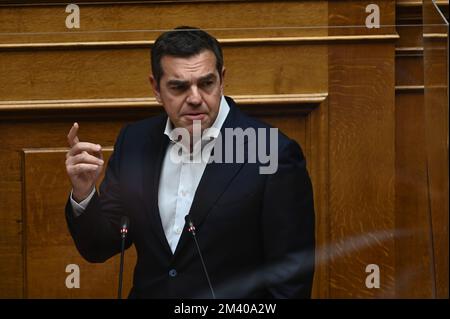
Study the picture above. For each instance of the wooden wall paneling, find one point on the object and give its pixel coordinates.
(293, 68)
(362, 168)
(349, 17)
(318, 166)
(436, 132)
(11, 266)
(421, 148)
(414, 258)
(123, 73)
(11, 257)
(56, 2)
(409, 23)
(410, 36)
(10, 164)
(71, 74)
(409, 68)
(11, 220)
(443, 6)
(436, 121)
(361, 154)
(225, 19)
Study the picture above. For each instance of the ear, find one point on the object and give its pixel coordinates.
(155, 88)
(223, 80)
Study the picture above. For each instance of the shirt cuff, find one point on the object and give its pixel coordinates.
(78, 208)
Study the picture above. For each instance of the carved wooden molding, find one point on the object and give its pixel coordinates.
(409, 3)
(419, 3)
(409, 50)
(150, 102)
(111, 2)
(225, 42)
(435, 35)
(409, 88)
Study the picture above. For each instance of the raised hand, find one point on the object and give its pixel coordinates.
(84, 164)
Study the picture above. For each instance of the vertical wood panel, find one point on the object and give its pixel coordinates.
(318, 164)
(415, 256)
(11, 265)
(436, 130)
(414, 263)
(436, 121)
(362, 168)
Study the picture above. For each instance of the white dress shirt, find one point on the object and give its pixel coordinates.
(178, 180)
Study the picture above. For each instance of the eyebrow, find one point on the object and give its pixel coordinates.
(210, 76)
(177, 82)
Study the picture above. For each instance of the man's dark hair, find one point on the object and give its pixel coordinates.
(184, 42)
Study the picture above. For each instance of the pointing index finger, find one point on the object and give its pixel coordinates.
(72, 137)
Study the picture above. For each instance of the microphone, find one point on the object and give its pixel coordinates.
(123, 232)
(191, 229)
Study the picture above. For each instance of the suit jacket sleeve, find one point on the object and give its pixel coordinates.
(96, 232)
(288, 227)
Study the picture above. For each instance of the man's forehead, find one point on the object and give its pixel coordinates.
(190, 75)
(201, 63)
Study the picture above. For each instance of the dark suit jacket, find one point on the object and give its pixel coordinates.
(255, 231)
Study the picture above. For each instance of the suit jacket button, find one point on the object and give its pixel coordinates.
(172, 273)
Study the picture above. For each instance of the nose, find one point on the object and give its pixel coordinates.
(194, 98)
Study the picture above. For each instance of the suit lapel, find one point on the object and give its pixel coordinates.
(154, 151)
(215, 180)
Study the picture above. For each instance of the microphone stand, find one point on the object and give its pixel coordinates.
(192, 231)
(123, 232)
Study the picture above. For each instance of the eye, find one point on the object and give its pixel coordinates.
(178, 87)
(207, 84)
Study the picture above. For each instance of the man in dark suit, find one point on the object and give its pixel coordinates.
(255, 227)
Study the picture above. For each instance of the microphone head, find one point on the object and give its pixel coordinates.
(191, 227)
(124, 222)
(124, 226)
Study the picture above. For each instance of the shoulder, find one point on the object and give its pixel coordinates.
(147, 125)
(261, 128)
(143, 128)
